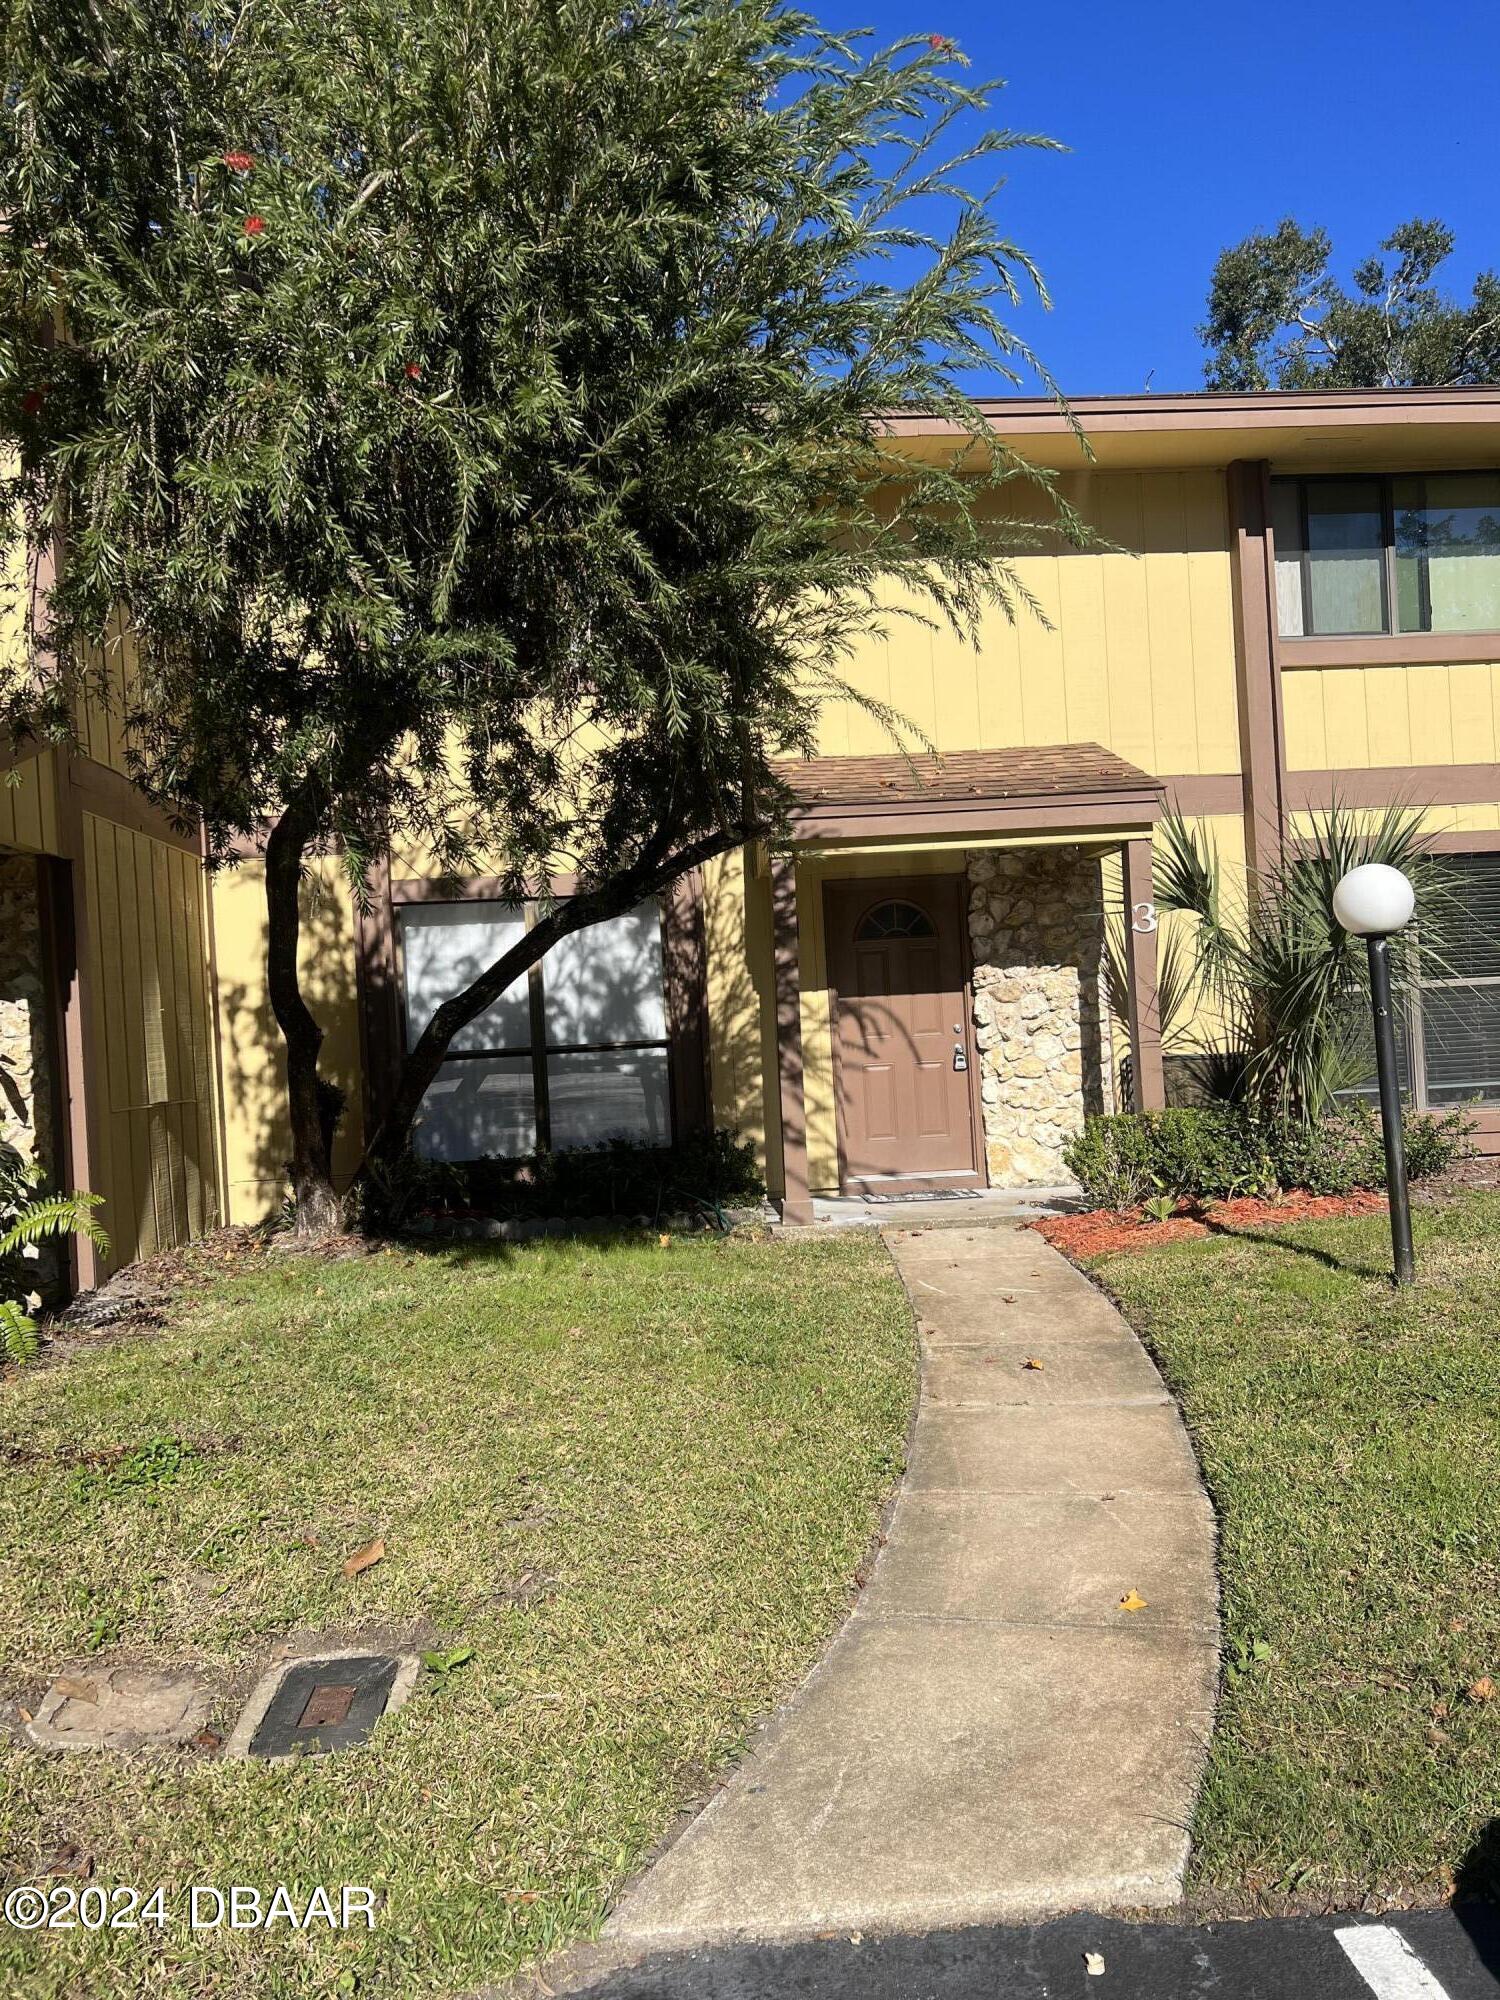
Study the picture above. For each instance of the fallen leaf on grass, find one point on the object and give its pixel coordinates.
(1132, 1601)
(1482, 1690)
(364, 1558)
(73, 1690)
(1093, 1964)
(664, 1241)
(207, 1739)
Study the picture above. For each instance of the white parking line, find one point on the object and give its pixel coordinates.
(1387, 1964)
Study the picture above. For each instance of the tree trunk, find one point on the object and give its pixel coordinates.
(320, 1212)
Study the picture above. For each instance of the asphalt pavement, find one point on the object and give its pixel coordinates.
(1450, 1954)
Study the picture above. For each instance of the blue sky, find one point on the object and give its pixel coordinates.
(1190, 124)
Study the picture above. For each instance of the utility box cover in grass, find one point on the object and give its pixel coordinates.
(314, 1703)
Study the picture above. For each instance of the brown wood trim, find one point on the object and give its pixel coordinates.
(469, 888)
(1463, 843)
(1262, 760)
(83, 1073)
(685, 969)
(1395, 784)
(215, 1032)
(1390, 649)
(796, 1199)
(1210, 410)
(1486, 1133)
(1066, 813)
(378, 994)
(1148, 1079)
(1207, 797)
(110, 795)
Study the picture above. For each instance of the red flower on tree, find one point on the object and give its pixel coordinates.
(254, 225)
(240, 163)
(413, 371)
(33, 400)
(938, 42)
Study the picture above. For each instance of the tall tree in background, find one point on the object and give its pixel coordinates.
(1278, 320)
(476, 407)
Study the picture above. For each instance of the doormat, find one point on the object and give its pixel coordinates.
(936, 1194)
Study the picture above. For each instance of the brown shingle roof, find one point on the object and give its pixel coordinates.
(1059, 769)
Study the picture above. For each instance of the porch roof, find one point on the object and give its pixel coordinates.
(1057, 788)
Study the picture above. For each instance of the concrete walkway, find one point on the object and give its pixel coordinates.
(990, 1736)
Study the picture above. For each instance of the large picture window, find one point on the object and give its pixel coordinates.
(1413, 552)
(1448, 1051)
(573, 1055)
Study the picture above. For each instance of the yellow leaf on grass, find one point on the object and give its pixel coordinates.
(364, 1558)
(1482, 1690)
(1132, 1601)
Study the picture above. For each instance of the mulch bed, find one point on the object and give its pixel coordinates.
(1102, 1231)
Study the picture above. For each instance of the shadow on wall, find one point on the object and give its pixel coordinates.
(742, 1007)
(257, 1139)
(28, 1069)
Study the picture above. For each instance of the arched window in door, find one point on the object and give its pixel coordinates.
(895, 919)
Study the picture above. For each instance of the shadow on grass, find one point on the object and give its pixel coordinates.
(1476, 1896)
(1278, 1240)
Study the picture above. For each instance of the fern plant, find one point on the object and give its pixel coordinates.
(30, 1223)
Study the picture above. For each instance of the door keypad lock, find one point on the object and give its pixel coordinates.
(960, 1059)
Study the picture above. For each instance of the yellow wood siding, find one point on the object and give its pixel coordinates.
(154, 1113)
(28, 805)
(1137, 652)
(101, 723)
(254, 1091)
(1369, 718)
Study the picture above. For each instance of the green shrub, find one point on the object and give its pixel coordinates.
(1220, 1151)
(706, 1172)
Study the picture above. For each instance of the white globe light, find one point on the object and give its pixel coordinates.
(1374, 900)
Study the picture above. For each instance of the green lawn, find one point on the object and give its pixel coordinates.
(636, 1479)
(1351, 1442)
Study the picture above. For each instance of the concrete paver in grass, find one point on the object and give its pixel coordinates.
(991, 1736)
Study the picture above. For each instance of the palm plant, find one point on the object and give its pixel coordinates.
(1283, 980)
(30, 1221)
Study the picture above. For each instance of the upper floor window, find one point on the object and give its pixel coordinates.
(1411, 552)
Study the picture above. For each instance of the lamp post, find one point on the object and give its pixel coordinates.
(1374, 902)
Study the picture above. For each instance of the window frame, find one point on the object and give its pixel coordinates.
(1411, 1024)
(538, 1048)
(1391, 634)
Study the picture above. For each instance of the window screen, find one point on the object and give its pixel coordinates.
(1448, 1036)
(598, 1069)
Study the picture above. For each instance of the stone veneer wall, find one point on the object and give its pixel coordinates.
(1036, 933)
(26, 1054)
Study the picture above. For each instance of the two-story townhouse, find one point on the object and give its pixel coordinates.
(1299, 599)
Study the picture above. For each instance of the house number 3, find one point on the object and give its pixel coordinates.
(1143, 916)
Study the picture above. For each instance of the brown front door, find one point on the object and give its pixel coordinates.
(900, 1038)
